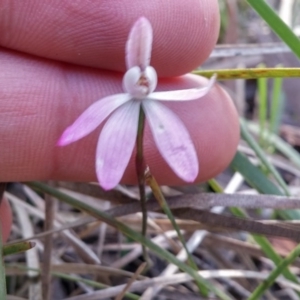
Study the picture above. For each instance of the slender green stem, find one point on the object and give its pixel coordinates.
(140, 171)
(258, 292)
(17, 247)
(254, 73)
(278, 26)
(2, 271)
(276, 105)
(151, 181)
(262, 107)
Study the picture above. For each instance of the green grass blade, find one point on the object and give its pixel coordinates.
(276, 105)
(261, 155)
(280, 269)
(262, 106)
(279, 144)
(17, 248)
(127, 231)
(277, 25)
(254, 176)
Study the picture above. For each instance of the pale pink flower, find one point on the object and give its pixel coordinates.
(118, 136)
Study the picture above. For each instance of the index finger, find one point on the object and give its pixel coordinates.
(93, 33)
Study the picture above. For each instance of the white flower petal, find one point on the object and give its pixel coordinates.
(91, 118)
(172, 140)
(184, 95)
(139, 44)
(116, 143)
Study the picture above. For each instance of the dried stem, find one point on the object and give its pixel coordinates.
(47, 260)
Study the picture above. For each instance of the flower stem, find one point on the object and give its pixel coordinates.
(140, 171)
(2, 271)
(2, 268)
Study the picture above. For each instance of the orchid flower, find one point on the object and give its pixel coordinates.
(117, 138)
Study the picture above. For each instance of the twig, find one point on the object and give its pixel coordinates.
(133, 278)
(48, 242)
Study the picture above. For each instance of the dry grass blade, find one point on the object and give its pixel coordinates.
(191, 207)
(69, 225)
(215, 240)
(140, 286)
(10, 297)
(137, 251)
(86, 254)
(48, 245)
(132, 279)
(235, 223)
(209, 200)
(32, 256)
(75, 268)
(94, 190)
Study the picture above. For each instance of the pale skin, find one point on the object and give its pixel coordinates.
(58, 57)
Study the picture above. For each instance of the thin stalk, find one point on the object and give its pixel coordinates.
(17, 248)
(251, 73)
(140, 171)
(276, 105)
(2, 271)
(262, 108)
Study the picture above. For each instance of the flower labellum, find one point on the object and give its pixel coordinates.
(118, 136)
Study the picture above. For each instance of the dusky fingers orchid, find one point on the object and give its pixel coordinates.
(117, 138)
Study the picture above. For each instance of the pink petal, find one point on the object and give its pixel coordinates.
(172, 140)
(139, 44)
(116, 143)
(92, 117)
(184, 95)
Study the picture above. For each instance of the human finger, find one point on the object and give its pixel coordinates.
(93, 33)
(39, 99)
